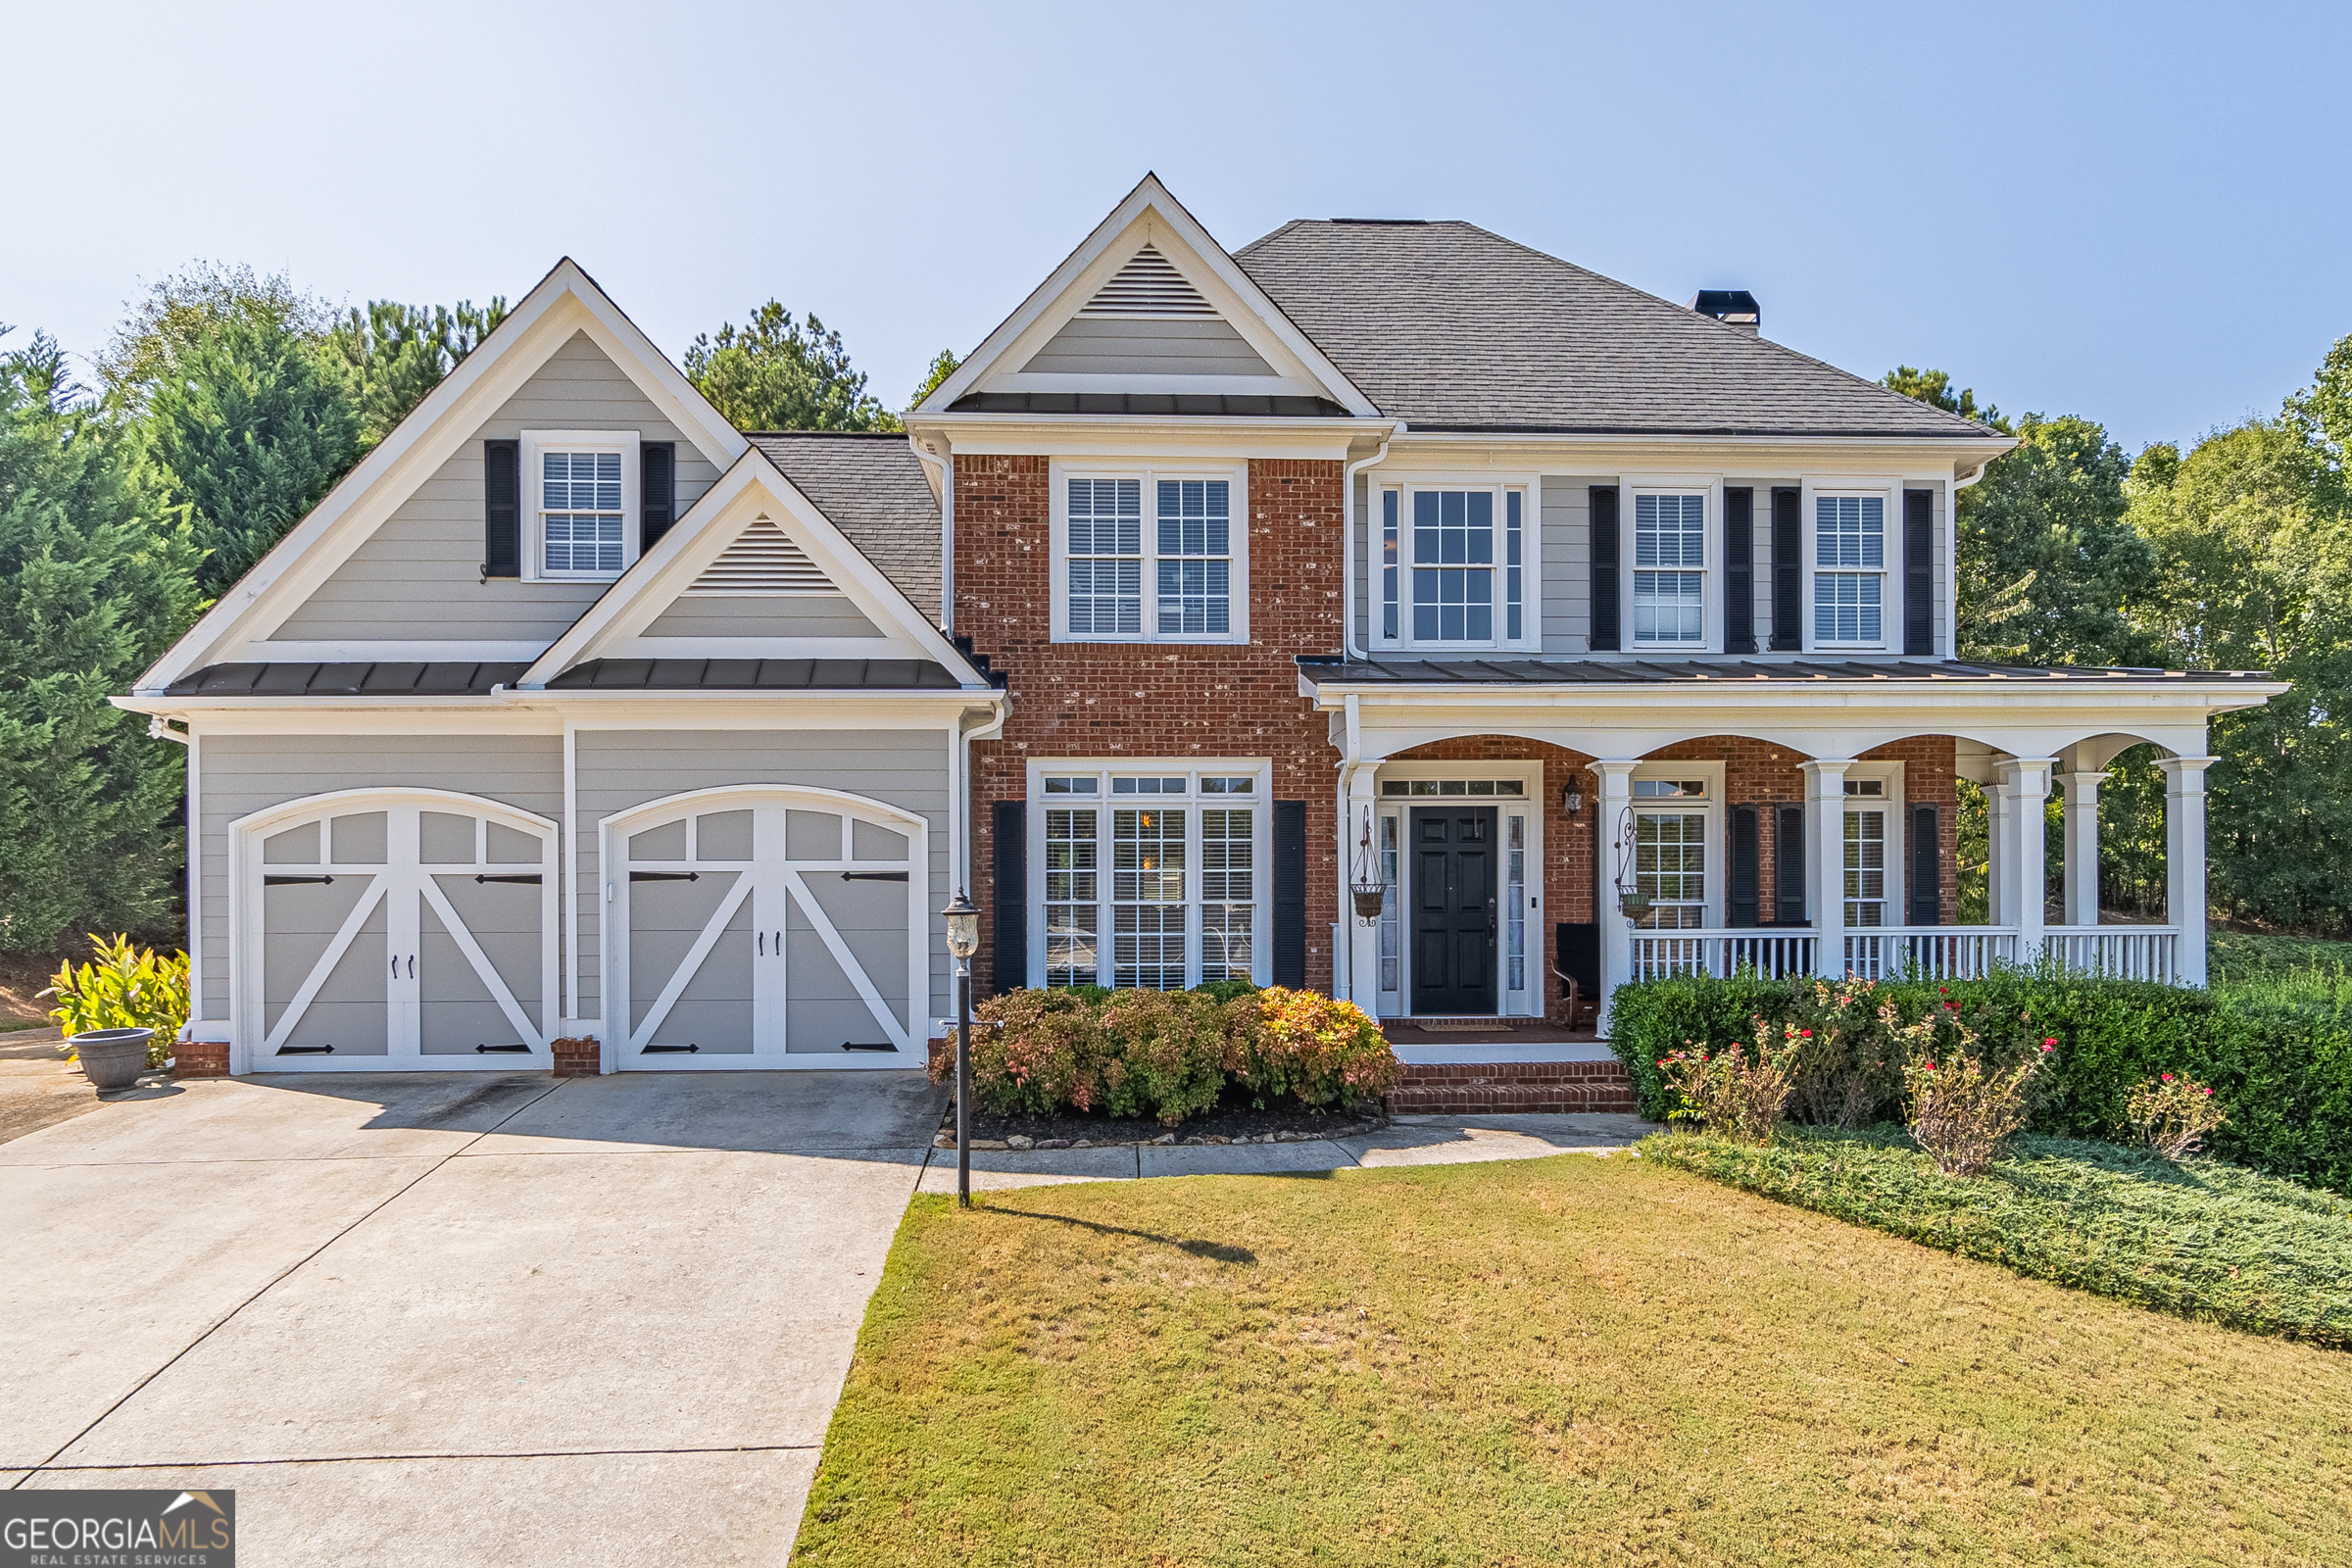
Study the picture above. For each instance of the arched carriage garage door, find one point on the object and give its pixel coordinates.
(389, 930)
(767, 929)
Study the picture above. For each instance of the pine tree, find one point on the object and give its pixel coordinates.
(97, 574)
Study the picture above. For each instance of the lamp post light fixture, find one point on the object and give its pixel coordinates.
(963, 940)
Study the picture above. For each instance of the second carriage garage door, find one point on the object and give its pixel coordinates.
(767, 929)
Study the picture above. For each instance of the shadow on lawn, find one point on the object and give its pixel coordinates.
(1215, 1251)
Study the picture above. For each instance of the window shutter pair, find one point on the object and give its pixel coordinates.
(1606, 636)
(1787, 569)
(502, 501)
(1739, 571)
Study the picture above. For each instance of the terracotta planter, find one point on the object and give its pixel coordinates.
(112, 1058)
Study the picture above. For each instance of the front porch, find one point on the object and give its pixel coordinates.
(1636, 822)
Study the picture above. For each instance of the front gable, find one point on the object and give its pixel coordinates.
(754, 570)
(1148, 304)
(390, 565)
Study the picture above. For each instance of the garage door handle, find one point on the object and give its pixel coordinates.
(411, 966)
(763, 944)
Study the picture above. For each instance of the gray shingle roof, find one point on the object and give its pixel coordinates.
(872, 488)
(1448, 327)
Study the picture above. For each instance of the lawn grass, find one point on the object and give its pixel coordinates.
(1548, 1361)
(2203, 1237)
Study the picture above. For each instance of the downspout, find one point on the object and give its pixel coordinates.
(961, 759)
(1347, 646)
(946, 466)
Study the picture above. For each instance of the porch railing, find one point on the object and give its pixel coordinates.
(1935, 952)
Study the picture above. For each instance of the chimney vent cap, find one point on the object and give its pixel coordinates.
(1734, 307)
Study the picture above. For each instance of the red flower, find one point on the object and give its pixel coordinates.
(1807, 1033)
(2168, 1077)
(2051, 1041)
(2209, 1094)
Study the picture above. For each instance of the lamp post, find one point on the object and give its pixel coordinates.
(963, 940)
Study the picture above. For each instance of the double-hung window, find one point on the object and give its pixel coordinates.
(1670, 852)
(1151, 874)
(1149, 558)
(1670, 579)
(1849, 569)
(580, 503)
(1454, 566)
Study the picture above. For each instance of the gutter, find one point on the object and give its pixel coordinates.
(1348, 545)
(944, 463)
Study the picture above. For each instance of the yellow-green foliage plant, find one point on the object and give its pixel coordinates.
(124, 988)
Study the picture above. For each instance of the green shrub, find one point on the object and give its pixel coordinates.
(1173, 1055)
(126, 988)
(2278, 1056)
(2203, 1239)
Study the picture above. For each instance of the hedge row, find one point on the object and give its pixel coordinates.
(2281, 1065)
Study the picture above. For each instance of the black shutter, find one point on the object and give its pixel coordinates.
(1746, 869)
(1603, 518)
(1008, 824)
(1926, 867)
(1919, 581)
(1739, 571)
(1788, 572)
(1788, 865)
(1289, 893)
(502, 510)
(657, 491)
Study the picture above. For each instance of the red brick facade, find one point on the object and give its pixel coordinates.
(1158, 699)
(1206, 700)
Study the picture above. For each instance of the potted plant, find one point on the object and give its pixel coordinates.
(121, 1012)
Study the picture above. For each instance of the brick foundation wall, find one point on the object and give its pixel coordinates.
(199, 1059)
(1154, 699)
(576, 1057)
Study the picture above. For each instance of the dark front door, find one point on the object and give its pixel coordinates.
(1454, 909)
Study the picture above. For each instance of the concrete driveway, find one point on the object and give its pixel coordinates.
(455, 1319)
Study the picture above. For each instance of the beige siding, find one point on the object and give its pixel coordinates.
(1108, 346)
(617, 769)
(239, 774)
(419, 575)
(752, 616)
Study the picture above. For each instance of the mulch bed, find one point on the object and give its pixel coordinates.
(1226, 1124)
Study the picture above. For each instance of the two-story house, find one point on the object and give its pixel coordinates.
(1383, 606)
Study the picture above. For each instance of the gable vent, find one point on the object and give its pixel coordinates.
(762, 560)
(1147, 285)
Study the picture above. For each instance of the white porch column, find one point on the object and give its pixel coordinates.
(2184, 863)
(1363, 938)
(2024, 784)
(1825, 863)
(1613, 830)
(1997, 839)
(2081, 902)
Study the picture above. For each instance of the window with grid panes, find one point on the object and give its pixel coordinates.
(1849, 569)
(1670, 558)
(1148, 879)
(1865, 852)
(1073, 907)
(1151, 879)
(1106, 557)
(1447, 577)
(1195, 558)
(580, 519)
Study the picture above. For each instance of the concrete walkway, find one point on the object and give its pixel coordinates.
(1429, 1139)
(455, 1319)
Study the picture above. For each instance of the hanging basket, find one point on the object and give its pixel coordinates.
(1370, 898)
(1634, 904)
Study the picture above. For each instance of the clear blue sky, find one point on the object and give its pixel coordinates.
(2136, 213)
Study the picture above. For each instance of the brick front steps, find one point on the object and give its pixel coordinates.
(1508, 1086)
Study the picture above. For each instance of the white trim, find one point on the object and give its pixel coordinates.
(1890, 571)
(563, 301)
(1261, 802)
(752, 484)
(614, 832)
(532, 511)
(1899, 837)
(1059, 474)
(1162, 222)
(1531, 586)
(1713, 808)
(1398, 1004)
(1712, 574)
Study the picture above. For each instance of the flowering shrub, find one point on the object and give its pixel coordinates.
(1734, 1093)
(126, 988)
(1172, 1054)
(1312, 1047)
(2171, 1115)
(1960, 1110)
